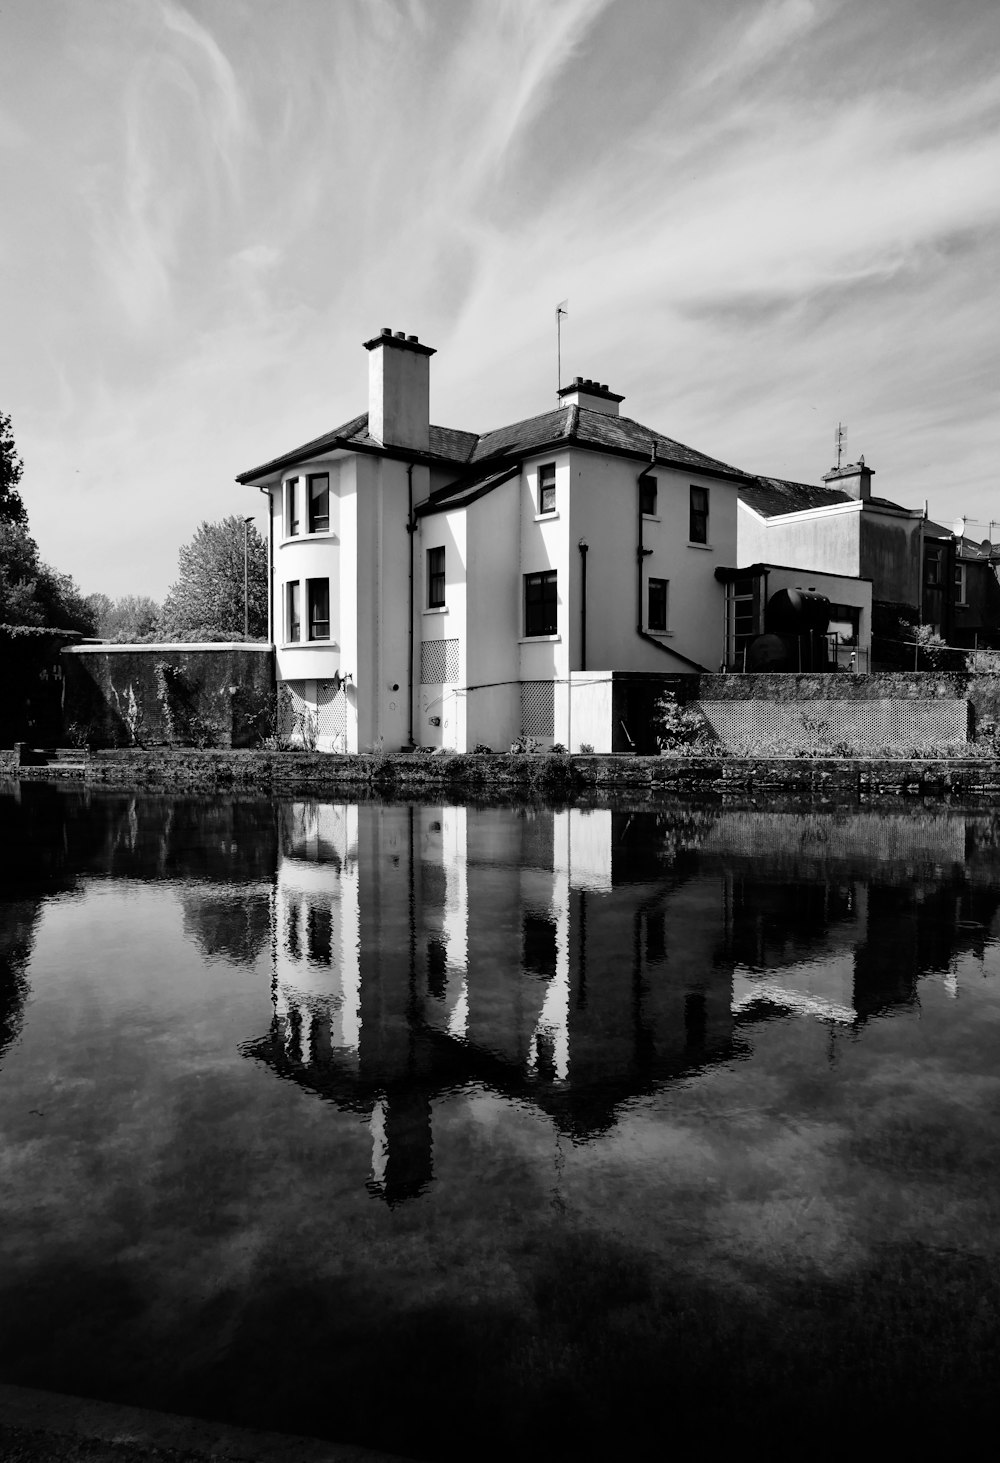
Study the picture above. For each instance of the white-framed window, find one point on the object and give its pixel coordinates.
(961, 585)
(541, 603)
(547, 488)
(318, 491)
(435, 578)
(318, 599)
(293, 507)
(698, 516)
(293, 611)
(658, 591)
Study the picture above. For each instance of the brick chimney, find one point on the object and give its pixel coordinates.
(399, 390)
(592, 395)
(854, 478)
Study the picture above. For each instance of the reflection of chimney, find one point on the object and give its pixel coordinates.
(399, 390)
(401, 1145)
(591, 395)
(854, 478)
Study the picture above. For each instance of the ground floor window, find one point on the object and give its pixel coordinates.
(541, 613)
(657, 604)
(293, 611)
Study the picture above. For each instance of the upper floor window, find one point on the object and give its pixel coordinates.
(293, 611)
(647, 497)
(658, 604)
(933, 563)
(319, 609)
(292, 506)
(698, 519)
(961, 595)
(541, 605)
(435, 579)
(319, 503)
(547, 488)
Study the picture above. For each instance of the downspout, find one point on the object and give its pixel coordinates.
(583, 547)
(270, 563)
(411, 529)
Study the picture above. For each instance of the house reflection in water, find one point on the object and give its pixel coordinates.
(570, 959)
(576, 959)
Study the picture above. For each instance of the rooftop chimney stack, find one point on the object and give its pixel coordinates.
(399, 390)
(854, 478)
(591, 395)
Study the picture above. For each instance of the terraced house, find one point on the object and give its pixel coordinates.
(437, 587)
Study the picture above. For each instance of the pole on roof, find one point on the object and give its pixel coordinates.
(561, 309)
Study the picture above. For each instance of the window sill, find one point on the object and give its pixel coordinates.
(707, 548)
(662, 634)
(650, 518)
(308, 645)
(539, 639)
(308, 538)
(436, 610)
(547, 517)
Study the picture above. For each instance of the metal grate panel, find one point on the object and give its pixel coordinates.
(331, 708)
(538, 709)
(816, 726)
(292, 703)
(438, 662)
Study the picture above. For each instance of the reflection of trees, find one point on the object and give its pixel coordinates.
(228, 926)
(18, 921)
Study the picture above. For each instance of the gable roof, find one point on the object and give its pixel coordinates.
(563, 426)
(771, 497)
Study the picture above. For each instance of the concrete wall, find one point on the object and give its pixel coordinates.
(825, 539)
(890, 555)
(111, 693)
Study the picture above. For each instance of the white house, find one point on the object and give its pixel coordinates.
(436, 587)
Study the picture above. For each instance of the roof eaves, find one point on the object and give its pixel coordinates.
(457, 496)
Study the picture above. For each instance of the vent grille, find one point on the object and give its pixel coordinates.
(538, 709)
(438, 662)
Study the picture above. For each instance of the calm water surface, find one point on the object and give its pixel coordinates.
(490, 1132)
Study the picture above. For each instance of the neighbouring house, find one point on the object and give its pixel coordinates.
(446, 588)
(976, 608)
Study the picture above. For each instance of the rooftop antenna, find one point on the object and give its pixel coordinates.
(561, 309)
(840, 441)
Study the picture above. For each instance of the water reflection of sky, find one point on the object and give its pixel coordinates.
(740, 1058)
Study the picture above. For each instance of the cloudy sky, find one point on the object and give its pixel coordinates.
(767, 216)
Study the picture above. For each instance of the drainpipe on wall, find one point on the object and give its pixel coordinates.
(270, 565)
(411, 529)
(641, 554)
(583, 547)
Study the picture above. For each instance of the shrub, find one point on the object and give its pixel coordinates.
(524, 744)
(680, 728)
(557, 749)
(586, 748)
(483, 749)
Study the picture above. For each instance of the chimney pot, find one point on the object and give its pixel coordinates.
(386, 330)
(577, 380)
(400, 334)
(413, 338)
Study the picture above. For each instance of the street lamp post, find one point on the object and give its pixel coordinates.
(246, 575)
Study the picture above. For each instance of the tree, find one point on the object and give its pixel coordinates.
(132, 620)
(206, 602)
(11, 468)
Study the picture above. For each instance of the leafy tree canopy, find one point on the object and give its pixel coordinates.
(132, 620)
(11, 468)
(206, 602)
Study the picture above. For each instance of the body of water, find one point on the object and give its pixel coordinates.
(475, 1132)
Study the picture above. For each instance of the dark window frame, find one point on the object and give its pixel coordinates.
(316, 589)
(319, 522)
(657, 603)
(292, 510)
(698, 510)
(547, 488)
(541, 603)
(436, 581)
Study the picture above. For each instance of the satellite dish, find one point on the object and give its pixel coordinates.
(958, 528)
(985, 545)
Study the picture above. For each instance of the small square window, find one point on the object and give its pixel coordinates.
(698, 522)
(319, 609)
(435, 579)
(293, 611)
(658, 604)
(541, 604)
(647, 497)
(547, 488)
(292, 506)
(319, 503)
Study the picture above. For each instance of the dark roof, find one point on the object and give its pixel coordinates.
(446, 445)
(565, 425)
(467, 490)
(771, 497)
